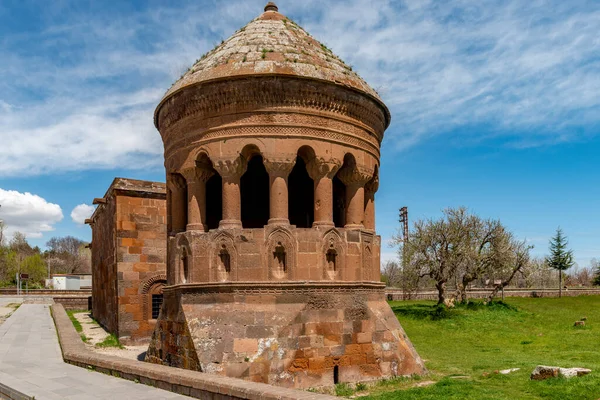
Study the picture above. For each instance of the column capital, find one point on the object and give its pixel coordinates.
(176, 182)
(230, 168)
(197, 174)
(355, 175)
(372, 186)
(279, 166)
(320, 167)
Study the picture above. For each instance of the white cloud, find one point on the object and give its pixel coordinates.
(525, 72)
(82, 212)
(28, 213)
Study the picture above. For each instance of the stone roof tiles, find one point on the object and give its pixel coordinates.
(272, 44)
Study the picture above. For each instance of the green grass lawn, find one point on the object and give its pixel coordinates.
(464, 345)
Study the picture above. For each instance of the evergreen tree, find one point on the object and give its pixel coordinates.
(560, 258)
(595, 264)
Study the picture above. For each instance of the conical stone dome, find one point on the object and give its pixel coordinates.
(272, 44)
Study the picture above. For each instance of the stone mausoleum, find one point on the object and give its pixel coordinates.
(129, 249)
(272, 147)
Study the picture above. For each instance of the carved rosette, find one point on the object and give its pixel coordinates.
(279, 167)
(320, 167)
(230, 169)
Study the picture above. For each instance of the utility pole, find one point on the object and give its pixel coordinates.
(404, 222)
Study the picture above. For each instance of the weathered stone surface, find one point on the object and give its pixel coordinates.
(542, 372)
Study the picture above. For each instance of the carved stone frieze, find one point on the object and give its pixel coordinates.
(262, 93)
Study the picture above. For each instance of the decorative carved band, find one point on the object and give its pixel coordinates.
(252, 94)
(230, 168)
(279, 287)
(287, 132)
(320, 167)
(279, 166)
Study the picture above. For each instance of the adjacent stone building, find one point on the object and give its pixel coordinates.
(128, 257)
(272, 147)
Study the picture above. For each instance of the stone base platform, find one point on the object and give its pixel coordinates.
(290, 334)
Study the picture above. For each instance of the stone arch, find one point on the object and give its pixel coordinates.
(301, 190)
(148, 283)
(333, 256)
(223, 263)
(184, 260)
(281, 254)
(254, 191)
(151, 291)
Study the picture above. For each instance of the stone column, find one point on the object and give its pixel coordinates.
(355, 178)
(370, 189)
(322, 172)
(231, 170)
(279, 169)
(177, 186)
(196, 178)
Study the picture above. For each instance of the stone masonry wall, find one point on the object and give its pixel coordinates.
(294, 335)
(141, 253)
(104, 267)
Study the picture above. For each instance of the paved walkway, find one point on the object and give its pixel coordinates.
(31, 362)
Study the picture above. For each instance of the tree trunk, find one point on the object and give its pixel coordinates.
(441, 288)
(559, 283)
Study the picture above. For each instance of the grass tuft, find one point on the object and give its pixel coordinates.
(111, 341)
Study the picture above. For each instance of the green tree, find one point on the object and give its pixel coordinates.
(560, 258)
(595, 264)
(35, 267)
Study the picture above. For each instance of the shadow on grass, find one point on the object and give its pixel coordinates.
(439, 312)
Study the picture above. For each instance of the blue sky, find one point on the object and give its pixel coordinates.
(495, 104)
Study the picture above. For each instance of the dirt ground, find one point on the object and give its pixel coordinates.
(96, 334)
(6, 310)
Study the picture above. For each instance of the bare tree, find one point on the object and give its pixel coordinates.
(392, 273)
(435, 248)
(68, 255)
(506, 271)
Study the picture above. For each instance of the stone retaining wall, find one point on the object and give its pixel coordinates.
(44, 292)
(190, 383)
(74, 302)
(398, 294)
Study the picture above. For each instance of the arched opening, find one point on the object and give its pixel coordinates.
(336, 375)
(254, 187)
(156, 298)
(214, 201)
(301, 196)
(339, 202)
(184, 266)
(331, 259)
(224, 263)
(279, 261)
